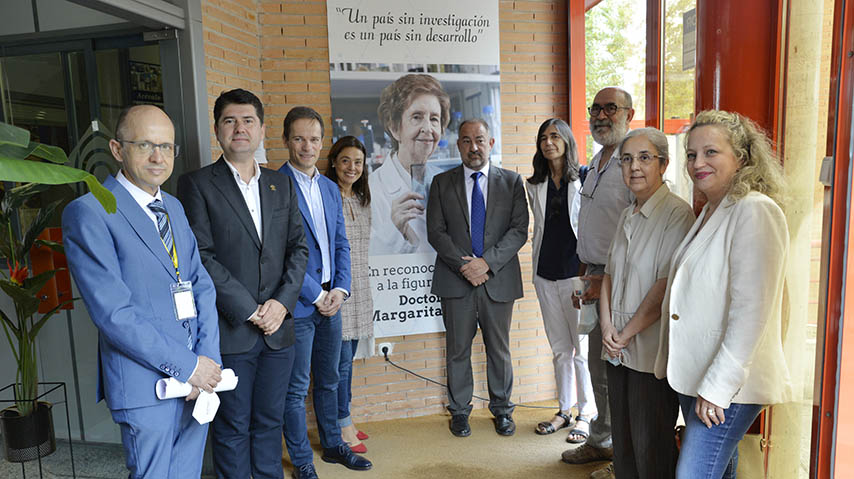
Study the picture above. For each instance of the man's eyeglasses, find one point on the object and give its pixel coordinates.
(146, 148)
(643, 158)
(609, 108)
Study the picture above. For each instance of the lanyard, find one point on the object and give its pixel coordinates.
(172, 254)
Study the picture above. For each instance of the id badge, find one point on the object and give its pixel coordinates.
(182, 300)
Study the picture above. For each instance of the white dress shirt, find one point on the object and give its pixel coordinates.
(142, 198)
(250, 192)
(483, 181)
(310, 188)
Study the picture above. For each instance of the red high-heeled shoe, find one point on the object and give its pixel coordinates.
(362, 436)
(359, 448)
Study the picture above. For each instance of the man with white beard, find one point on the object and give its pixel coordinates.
(604, 196)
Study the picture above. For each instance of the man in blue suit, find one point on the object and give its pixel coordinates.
(134, 270)
(325, 287)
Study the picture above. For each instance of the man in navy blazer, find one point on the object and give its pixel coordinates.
(252, 243)
(126, 275)
(325, 287)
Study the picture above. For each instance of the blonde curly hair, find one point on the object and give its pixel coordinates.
(760, 169)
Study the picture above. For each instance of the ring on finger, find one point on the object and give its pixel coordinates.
(710, 411)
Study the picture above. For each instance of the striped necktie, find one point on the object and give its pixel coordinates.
(166, 235)
(162, 224)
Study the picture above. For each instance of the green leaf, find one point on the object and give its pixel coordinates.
(25, 302)
(12, 135)
(42, 220)
(9, 323)
(38, 326)
(53, 245)
(35, 283)
(24, 171)
(20, 152)
(54, 154)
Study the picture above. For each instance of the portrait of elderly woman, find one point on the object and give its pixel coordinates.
(414, 111)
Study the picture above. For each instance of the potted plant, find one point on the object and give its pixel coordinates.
(28, 168)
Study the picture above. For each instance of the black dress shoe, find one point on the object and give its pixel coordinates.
(344, 456)
(504, 425)
(460, 425)
(306, 471)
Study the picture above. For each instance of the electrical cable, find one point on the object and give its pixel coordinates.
(385, 354)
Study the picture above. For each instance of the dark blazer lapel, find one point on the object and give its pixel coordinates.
(459, 184)
(268, 200)
(223, 180)
(141, 223)
(493, 193)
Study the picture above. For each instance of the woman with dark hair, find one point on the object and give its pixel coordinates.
(552, 196)
(347, 169)
(414, 111)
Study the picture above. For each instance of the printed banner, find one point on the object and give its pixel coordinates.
(399, 72)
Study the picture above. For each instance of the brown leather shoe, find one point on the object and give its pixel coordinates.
(587, 453)
(606, 472)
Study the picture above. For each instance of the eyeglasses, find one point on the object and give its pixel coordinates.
(146, 148)
(643, 158)
(609, 108)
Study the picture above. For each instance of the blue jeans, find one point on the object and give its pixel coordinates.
(318, 349)
(712, 453)
(345, 373)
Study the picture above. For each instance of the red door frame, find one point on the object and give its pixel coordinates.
(828, 380)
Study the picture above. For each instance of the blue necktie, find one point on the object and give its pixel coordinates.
(166, 235)
(162, 224)
(478, 216)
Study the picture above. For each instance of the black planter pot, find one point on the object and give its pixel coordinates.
(28, 437)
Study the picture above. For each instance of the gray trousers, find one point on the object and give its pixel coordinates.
(462, 317)
(600, 428)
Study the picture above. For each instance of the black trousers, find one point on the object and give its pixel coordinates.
(643, 415)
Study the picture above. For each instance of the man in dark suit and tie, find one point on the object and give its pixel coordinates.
(140, 275)
(325, 287)
(252, 243)
(477, 220)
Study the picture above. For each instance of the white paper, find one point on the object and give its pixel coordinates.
(206, 407)
(170, 388)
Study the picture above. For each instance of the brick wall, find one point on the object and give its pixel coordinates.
(280, 51)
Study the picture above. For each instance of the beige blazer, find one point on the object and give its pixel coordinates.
(537, 195)
(721, 315)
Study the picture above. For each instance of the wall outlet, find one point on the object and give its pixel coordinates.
(390, 347)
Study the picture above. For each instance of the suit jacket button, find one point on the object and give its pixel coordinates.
(186, 324)
(319, 270)
(675, 317)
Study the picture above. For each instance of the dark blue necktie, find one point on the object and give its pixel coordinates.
(478, 216)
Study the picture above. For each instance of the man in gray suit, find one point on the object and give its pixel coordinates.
(252, 242)
(477, 220)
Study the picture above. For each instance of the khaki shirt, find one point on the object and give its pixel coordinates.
(639, 256)
(603, 197)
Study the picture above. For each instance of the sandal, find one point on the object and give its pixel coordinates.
(546, 427)
(582, 429)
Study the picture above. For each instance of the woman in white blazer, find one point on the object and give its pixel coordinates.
(552, 196)
(721, 346)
